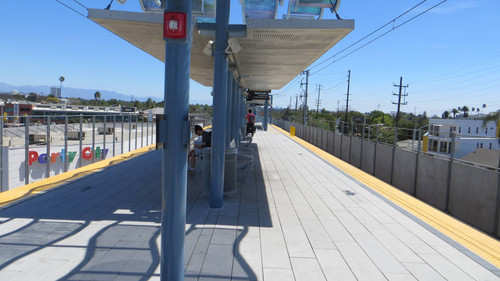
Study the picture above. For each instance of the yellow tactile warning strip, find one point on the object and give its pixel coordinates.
(23, 192)
(476, 241)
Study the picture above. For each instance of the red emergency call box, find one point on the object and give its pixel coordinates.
(174, 25)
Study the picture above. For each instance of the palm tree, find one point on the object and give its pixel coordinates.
(97, 96)
(61, 79)
(454, 111)
(446, 114)
(465, 110)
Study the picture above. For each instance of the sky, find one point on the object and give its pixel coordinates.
(448, 56)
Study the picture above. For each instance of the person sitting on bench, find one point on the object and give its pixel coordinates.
(206, 141)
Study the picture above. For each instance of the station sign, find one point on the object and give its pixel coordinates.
(258, 95)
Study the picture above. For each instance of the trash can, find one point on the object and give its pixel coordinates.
(231, 156)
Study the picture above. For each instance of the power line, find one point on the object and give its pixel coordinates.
(80, 4)
(436, 78)
(378, 37)
(72, 8)
(371, 33)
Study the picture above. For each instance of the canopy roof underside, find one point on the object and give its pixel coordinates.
(273, 52)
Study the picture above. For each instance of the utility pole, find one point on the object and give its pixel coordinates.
(399, 103)
(306, 72)
(347, 103)
(318, 102)
(296, 102)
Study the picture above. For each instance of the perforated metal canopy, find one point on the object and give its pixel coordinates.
(273, 52)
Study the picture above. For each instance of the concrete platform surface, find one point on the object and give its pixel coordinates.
(294, 217)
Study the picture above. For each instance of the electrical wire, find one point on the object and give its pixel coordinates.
(380, 36)
(442, 77)
(371, 33)
(72, 8)
(80, 4)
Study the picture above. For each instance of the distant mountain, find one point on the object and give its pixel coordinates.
(87, 94)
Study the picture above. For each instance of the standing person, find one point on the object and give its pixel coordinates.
(250, 122)
(206, 141)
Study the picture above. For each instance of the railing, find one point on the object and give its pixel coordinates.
(466, 190)
(38, 147)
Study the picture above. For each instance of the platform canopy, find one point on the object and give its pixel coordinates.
(273, 51)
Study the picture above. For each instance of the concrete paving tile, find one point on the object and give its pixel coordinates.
(307, 269)
(9, 274)
(274, 250)
(466, 264)
(350, 223)
(194, 266)
(448, 270)
(333, 265)
(335, 229)
(297, 244)
(223, 236)
(410, 240)
(317, 235)
(399, 277)
(218, 263)
(423, 272)
(14, 225)
(278, 274)
(360, 264)
(392, 243)
(384, 260)
(247, 264)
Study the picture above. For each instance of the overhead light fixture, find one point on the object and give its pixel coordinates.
(233, 46)
(208, 50)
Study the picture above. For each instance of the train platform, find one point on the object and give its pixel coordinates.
(300, 214)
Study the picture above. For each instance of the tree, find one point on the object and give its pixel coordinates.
(492, 116)
(446, 114)
(52, 99)
(465, 110)
(454, 111)
(97, 96)
(150, 103)
(137, 104)
(32, 97)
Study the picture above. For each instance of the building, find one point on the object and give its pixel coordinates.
(12, 111)
(469, 136)
(56, 92)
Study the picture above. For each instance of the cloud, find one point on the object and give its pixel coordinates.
(454, 7)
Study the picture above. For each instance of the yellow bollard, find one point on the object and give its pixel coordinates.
(292, 131)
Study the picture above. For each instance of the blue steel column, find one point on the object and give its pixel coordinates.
(229, 107)
(174, 176)
(271, 110)
(266, 112)
(219, 105)
(234, 111)
(243, 112)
